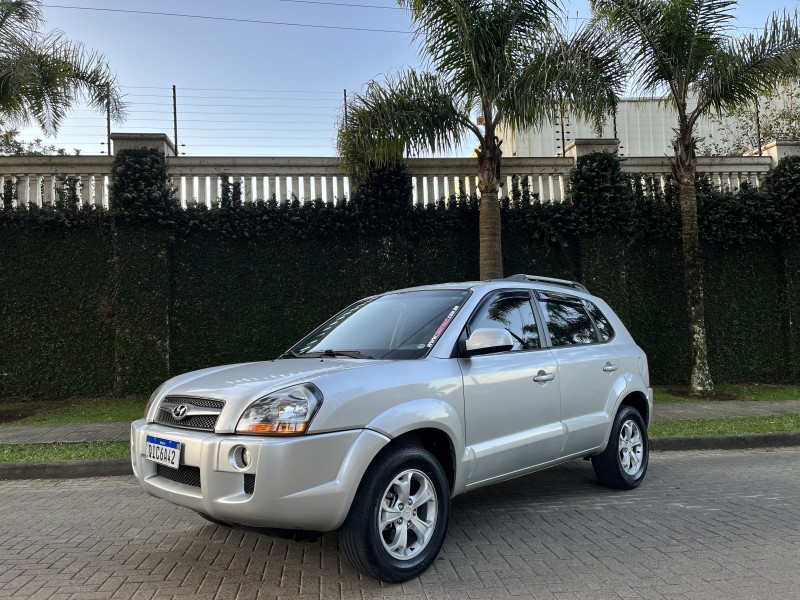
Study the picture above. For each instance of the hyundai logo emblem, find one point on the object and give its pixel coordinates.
(179, 412)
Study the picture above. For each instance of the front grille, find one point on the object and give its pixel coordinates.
(183, 474)
(205, 422)
(201, 402)
(249, 484)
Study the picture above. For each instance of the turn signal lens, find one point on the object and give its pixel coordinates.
(273, 428)
(285, 412)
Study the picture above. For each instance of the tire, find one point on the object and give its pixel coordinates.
(623, 464)
(400, 473)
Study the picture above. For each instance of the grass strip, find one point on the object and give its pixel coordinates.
(661, 395)
(761, 391)
(63, 451)
(731, 425)
(82, 410)
(730, 391)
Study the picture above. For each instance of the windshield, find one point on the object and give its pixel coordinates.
(403, 325)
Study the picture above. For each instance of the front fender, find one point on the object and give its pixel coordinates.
(427, 413)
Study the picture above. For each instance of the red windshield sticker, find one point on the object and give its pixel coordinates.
(443, 326)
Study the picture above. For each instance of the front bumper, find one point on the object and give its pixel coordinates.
(305, 482)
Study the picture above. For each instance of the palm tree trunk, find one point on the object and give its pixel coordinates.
(491, 249)
(685, 174)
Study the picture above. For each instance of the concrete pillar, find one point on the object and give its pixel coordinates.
(778, 149)
(581, 147)
(159, 141)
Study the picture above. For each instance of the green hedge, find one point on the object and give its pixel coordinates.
(99, 302)
(56, 307)
(143, 265)
(247, 296)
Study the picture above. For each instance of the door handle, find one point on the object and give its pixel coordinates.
(610, 367)
(542, 377)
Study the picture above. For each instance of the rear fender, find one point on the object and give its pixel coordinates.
(625, 385)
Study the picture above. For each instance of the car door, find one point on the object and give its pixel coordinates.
(588, 368)
(512, 400)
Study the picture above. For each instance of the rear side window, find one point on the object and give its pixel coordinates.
(567, 320)
(515, 315)
(603, 326)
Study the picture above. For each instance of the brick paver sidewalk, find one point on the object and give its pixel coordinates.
(724, 409)
(118, 431)
(704, 526)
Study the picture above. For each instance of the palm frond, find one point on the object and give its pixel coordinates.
(637, 26)
(752, 64)
(19, 19)
(412, 113)
(474, 41)
(582, 73)
(692, 33)
(86, 73)
(43, 75)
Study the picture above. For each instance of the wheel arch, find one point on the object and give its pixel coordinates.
(638, 401)
(438, 443)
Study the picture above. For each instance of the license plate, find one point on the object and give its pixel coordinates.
(163, 452)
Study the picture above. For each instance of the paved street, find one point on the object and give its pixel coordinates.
(704, 525)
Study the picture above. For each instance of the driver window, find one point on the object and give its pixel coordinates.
(515, 315)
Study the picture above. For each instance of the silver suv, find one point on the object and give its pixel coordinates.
(376, 419)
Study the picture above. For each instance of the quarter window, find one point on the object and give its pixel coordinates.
(603, 326)
(515, 315)
(567, 320)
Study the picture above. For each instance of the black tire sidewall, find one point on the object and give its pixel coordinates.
(421, 460)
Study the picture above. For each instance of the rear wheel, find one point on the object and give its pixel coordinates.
(399, 516)
(623, 464)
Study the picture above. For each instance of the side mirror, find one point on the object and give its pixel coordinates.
(486, 341)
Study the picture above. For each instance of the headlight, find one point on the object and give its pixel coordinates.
(288, 411)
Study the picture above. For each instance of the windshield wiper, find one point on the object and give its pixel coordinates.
(329, 352)
(335, 353)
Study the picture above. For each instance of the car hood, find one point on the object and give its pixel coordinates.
(240, 384)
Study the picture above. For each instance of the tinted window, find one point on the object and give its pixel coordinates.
(515, 315)
(567, 320)
(400, 325)
(606, 331)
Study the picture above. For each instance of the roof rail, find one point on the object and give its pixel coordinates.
(549, 280)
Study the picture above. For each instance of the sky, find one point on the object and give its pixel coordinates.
(260, 78)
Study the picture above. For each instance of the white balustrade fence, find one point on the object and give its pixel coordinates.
(38, 179)
(725, 172)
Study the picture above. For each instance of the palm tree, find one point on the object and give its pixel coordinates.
(684, 49)
(42, 75)
(501, 60)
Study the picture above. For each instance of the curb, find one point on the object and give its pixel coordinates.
(107, 467)
(740, 441)
(67, 469)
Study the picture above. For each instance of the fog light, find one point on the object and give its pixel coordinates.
(241, 457)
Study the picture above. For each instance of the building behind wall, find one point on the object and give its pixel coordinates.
(644, 127)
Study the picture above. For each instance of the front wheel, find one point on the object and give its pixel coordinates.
(399, 516)
(623, 463)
